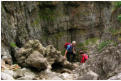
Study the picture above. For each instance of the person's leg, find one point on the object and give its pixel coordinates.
(73, 57)
(68, 56)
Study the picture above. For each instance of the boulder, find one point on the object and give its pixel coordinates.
(37, 61)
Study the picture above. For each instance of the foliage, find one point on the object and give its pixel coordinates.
(90, 41)
(12, 44)
(81, 46)
(84, 45)
(36, 22)
(117, 4)
(103, 44)
(119, 17)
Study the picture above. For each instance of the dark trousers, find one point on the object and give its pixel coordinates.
(70, 56)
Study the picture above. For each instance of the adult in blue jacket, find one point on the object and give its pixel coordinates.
(70, 51)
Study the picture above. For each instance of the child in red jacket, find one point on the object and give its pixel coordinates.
(84, 57)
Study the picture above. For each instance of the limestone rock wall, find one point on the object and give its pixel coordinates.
(53, 22)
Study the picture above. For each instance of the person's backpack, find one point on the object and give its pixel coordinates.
(65, 45)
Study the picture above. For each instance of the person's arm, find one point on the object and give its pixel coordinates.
(74, 51)
(68, 46)
(65, 54)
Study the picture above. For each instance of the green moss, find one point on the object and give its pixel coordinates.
(12, 44)
(36, 22)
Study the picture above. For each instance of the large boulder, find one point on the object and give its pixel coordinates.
(53, 55)
(31, 55)
(37, 61)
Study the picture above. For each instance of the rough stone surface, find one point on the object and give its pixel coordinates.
(34, 55)
(5, 76)
(53, 22)
(89, 76)
(115, 77)
(37, 61)
(24, 74)
(105, 64)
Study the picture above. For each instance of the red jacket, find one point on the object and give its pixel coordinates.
(84, 58)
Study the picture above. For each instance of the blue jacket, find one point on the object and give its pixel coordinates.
(69, 48)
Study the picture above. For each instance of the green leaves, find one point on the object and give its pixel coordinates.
(103, 44)
(119, 17)
(117, 4)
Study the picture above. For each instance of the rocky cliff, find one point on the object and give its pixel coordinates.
(53, 22)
